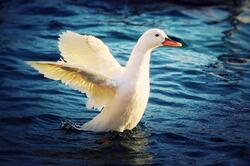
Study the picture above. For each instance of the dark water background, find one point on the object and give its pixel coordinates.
(199, 109)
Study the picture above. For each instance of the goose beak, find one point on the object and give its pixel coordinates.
(171, 43)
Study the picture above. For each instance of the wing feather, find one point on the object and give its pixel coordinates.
(97, 87)
(89, 52)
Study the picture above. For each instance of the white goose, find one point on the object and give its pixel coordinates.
(120, 93)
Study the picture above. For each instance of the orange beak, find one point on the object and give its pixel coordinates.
(171, 43)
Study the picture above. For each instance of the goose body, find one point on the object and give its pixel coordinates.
(120, 93)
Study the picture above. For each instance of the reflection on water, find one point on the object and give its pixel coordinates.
(128, 148)
(198, 111)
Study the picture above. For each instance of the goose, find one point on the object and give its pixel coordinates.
(120, 93)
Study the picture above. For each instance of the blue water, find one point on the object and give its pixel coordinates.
(199, 107)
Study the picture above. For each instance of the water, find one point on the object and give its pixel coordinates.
(199, 109)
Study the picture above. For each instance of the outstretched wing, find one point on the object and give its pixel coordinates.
(98, 88)
(89, 52)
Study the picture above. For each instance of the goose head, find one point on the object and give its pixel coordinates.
(154, 38)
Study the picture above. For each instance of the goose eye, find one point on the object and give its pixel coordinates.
(157, 35)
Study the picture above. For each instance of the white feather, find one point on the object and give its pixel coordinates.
(87, 51)
(90, 68)
(97, 87)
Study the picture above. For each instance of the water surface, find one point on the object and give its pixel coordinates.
(198, 112)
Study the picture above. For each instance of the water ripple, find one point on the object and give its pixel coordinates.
(198, 111)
